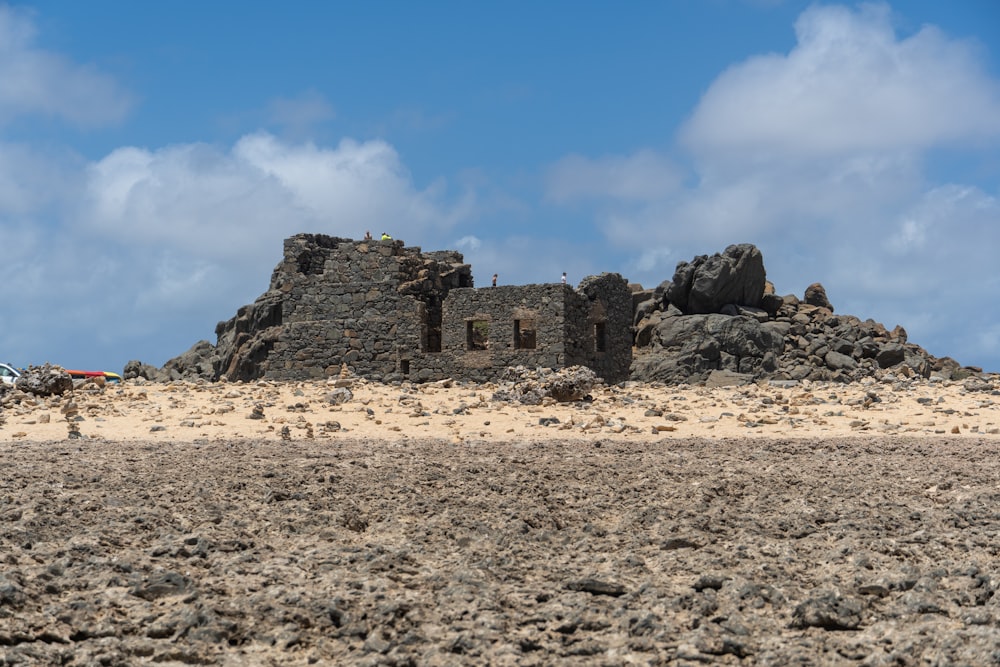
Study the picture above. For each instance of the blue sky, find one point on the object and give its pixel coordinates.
(154, 155)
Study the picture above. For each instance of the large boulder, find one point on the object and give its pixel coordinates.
(816, 296)
(198, 362)
(706, 284)
(135, 369)
(570, 384)
(687, 348)
(46, 380)
(890, 354)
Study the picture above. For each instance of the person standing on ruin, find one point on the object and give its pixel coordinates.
(564, 278)
(494, 280)
(368, 236)
(386, 237)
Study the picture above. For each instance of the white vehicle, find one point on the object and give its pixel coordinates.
(8, 374)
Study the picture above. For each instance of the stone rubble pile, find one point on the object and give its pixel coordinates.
(529, 387)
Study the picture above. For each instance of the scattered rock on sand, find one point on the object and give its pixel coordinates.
(46, 380)
(522, 385)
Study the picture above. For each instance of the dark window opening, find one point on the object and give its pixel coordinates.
(477, 334)
(430, 325)
(524, 334)
(311, 262)
(600, 337)
(404, 366)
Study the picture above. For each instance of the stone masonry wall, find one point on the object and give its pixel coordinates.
(390, 312)
(520, 325)
(547, 325)
(336, 301)
(603, 309)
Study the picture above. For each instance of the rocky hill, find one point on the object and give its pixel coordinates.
(720, 321)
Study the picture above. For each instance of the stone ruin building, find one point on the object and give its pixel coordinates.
(391, 312)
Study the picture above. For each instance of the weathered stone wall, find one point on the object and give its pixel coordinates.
(334, 301)
(391, 312)
(603, 308)
(548, 325)
(508, 314)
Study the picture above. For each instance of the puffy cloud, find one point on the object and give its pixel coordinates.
(824, 147)
(237, 204)
(848, 86)
(164, 243)
(35, 81)
(819, 157)
(820, 146)
(945, 242)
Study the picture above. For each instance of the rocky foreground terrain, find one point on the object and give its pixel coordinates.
(545, 519)
(767, 551)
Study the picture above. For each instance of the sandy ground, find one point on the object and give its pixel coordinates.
(157, 412)
(262, 524)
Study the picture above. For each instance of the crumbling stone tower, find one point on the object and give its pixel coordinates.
(333, 301)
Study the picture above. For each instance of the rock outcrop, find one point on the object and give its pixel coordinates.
(687, 348)
(684, 331)
(200, 361)
(707, 284)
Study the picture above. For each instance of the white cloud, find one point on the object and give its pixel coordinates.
(642, 176)
(822, 149)
(947, 239)
(237, 205)
(468, 243)
(819, 157)
(35, 81)
(34, 179)
(910, 234)
(358, 182)
(848, 86)
(161, 244)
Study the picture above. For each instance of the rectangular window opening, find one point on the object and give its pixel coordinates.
(477, 334)
(430, 326)
(404, 366)
(600, 337)
(524, 335)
